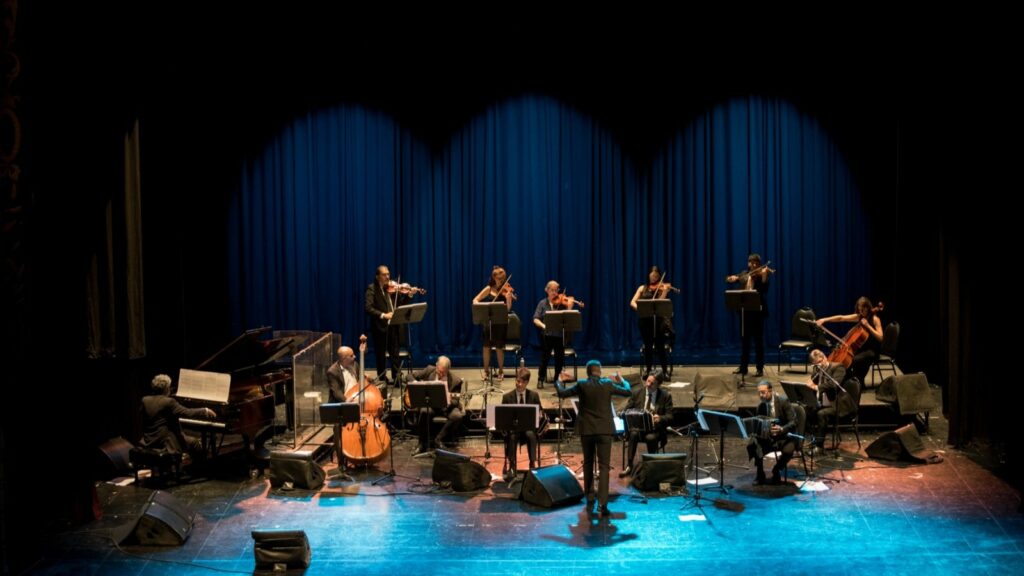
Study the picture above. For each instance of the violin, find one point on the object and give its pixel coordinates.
(746, 276)
(506, 290)
(562, 299)
(404, 288)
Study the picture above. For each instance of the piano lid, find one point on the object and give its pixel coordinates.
(249, 352)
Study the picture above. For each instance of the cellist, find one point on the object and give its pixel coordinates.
(863, 345)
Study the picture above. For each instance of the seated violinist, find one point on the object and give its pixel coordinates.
(864, 340)
(453, 412)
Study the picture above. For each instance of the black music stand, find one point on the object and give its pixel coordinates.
(564, 321)
(340, 414)
(722, 423)
(433, 395)
(408, 314)
(743, 301)
(488, 314)
(800, 393)
(656, 308)
(515, 419)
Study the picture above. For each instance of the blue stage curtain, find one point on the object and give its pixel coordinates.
(544, 191)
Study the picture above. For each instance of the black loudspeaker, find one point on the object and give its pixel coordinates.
(716, 392)
(656, 469)
(165, 521)
(910, 393)
(280, 550)
(298, 468)
(463, 474)
(551, 486)
(112, 459)
(903, 444)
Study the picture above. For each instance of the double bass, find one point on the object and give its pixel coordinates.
(847, 346)
(368, 439)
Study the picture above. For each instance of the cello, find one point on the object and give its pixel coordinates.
(368, 439)
(847, 346)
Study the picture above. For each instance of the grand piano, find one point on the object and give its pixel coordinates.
(243, 383)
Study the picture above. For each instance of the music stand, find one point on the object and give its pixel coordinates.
(515, 419)
(800, 393)
(656, 308)
(721, 423)
(564, 321)
(744, 301)
(340, 414)
(433, 395)
(408, 314)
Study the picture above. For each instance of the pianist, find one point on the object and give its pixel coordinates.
(160, 428)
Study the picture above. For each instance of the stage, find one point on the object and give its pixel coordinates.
(857, 515)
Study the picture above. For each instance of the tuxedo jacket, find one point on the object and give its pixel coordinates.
(454, 383)
(662, 404)
(377, 302)
(595, 403)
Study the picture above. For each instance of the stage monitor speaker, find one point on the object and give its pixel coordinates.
(112, 459)
(165, 521)
(298, 468)
(551, 486)
(281, 550)
(909, 392)
(718, 392)
(903, 444)
(463, 474)
(657, 469)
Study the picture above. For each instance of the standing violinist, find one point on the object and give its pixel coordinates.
(868, 320)
(551, 341)
(654, 336)
(755, 277)
(381, 300)
(497, 290)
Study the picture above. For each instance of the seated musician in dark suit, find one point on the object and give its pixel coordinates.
(831, 399)
(161, 430)
(453, 411)
(652, 399)
(521, 395)
(776, 410)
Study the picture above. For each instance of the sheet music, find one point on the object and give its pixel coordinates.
(490, 414)
(203, 385)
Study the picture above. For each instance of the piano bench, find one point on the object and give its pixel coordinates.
(158, 462)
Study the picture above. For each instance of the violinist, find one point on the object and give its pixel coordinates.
(497, 290)
(382, 297)
(755, 277)
(650, 398)
(551, 341)
(866, 347)
(654, 336)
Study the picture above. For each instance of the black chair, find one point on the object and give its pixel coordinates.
(801, 427)
(853, 387)
(804, 335)
(890, 340)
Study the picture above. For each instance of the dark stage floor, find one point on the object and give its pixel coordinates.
(866, 517)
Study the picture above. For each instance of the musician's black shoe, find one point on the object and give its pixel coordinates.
(740, 371)
(605, 512)
(588, 505)
(760, 479)
(759, 374)
(509, 475)
(626, 472)
(776, 480)
(540, 384)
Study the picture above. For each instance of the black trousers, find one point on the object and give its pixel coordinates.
(753, 330)
(426, 417)
(652, 439)
(512, 444)
(386, 342)
(768, 445)
(550, 344)
(599, 445)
